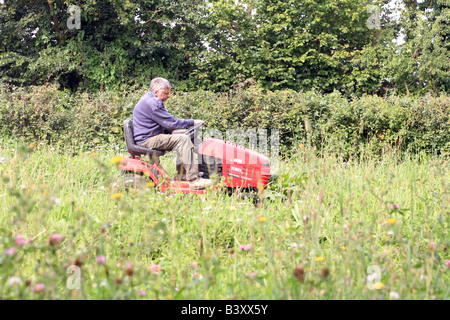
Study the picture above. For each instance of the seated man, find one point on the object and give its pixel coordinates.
(152, 126)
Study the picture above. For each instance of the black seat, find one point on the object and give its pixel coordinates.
(134, 149)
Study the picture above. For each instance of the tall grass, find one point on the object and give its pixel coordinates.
(326, 229)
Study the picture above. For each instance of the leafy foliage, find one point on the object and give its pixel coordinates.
(366, 125)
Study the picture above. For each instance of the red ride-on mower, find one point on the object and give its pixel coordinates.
(240, 167)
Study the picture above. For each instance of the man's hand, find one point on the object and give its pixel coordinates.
(197, 122)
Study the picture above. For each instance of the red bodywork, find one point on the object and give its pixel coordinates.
(163, 181)
(241, 167)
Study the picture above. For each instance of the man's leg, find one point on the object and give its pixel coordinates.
(180, 143)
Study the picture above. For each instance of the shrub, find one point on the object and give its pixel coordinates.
(365, 125)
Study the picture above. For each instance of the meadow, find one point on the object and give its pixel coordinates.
(374, 228)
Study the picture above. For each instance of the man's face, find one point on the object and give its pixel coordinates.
(163, 94)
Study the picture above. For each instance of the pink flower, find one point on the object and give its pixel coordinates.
(101, 260)
(55, 239)
(196, 275)
(432, 246)
(444, 247)
(20, 241)
(447, 264)
(10, 252)
(39, 287)
(395, 206)
(245, 247)
(129, 271)
(252, 274)
(156, 268)
(142, 293)
(194, 264)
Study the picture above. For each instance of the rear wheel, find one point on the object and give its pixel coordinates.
(130, 180)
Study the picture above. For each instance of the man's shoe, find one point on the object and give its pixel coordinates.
(200, 184)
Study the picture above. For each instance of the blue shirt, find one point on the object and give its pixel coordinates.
(151, 118)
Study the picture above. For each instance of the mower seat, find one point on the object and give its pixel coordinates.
(134, 149)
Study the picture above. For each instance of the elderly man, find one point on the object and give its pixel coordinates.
(153, 127)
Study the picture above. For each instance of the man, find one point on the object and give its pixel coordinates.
(153, 127)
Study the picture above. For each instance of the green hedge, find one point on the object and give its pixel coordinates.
(365, 125)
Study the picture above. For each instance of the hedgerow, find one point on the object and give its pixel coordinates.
(330, 122)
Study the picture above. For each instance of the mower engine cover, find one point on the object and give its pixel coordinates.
(241, 167)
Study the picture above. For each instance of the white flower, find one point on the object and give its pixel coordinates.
(390, 233)
(55, 200)
(238, 220)
(14, 280)
(294, 245)
(394, 295)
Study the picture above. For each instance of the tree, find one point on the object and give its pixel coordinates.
(119, 41)
(301, 45)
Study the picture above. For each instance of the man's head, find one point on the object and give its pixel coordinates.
(161, 88)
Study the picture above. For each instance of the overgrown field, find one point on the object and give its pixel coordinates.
(327, 229)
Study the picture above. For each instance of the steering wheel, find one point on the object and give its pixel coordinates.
(192, 132)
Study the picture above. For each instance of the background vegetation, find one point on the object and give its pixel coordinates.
(346, 45)
(329, 122)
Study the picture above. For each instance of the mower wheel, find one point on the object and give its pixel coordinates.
(250, 195)
(133, 181)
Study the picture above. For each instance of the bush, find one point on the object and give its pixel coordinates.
(366, 125)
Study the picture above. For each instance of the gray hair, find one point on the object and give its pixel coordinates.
(159, 84)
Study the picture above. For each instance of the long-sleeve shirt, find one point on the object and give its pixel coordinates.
(151, 118)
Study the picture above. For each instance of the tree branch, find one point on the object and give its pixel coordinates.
(55, 20)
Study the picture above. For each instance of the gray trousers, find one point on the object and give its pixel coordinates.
(184, 147)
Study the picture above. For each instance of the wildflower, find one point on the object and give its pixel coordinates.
(197, 275)
(432, 246)
(395, 206)
(55, 200)
(20, 241)
(447, 264)
(39, 287)
(11, 251)
(378, 285)
(101, 260)
(391, 220)
(299, 273)
(194, 264)
(142, 293)
(150, 184)
(252, 274)
(116, 195)
(55, 239)
(245, 247)
(390, 233)
(129, 269)
(444, 247)
(294, 245)
(300, 145)
(14, 281)
(155, 268)
(318, 259)
(116, 159)
(262, 219)
(394, 295)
